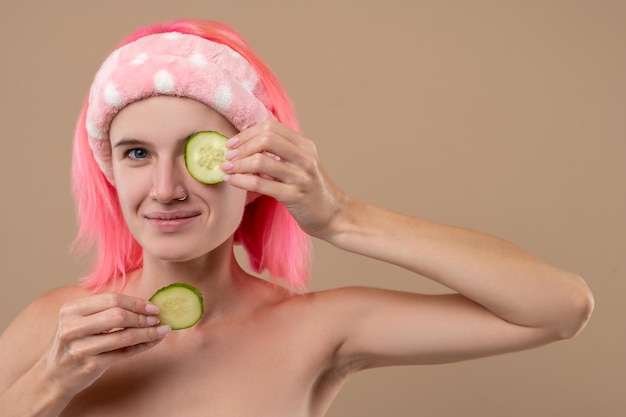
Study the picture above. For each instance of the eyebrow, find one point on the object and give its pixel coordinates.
(138, 142)
(130, 142)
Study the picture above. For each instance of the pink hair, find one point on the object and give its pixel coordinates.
(271, 237)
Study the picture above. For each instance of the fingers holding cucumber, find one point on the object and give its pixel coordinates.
(97, 331)
(274, 160)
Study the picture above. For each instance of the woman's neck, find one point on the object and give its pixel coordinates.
(216, 274)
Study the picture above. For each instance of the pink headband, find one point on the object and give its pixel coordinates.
(173, 64)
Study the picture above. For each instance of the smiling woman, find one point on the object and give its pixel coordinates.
(259, 347)
(149, 188)
(213, 68)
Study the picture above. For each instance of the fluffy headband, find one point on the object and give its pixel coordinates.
(173, 64)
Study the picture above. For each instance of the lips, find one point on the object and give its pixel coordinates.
(168, 222)
(175, 215)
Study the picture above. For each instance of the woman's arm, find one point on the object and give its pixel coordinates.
(24, 389)
(33, 395)
(507, 299)
(502, 277)
(63, 342)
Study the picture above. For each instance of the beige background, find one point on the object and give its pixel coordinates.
(504, 116)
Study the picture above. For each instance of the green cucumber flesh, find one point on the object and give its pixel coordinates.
(181, 305)
(204, 153)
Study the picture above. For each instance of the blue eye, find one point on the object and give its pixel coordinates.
(137, 153)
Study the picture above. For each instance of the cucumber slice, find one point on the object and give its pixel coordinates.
(204, 153)
(181, 305)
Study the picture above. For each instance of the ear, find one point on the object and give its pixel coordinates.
(251, 196)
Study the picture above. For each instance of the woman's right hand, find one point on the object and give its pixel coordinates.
(94, 333)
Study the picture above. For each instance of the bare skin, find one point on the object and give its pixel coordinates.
(260, 349)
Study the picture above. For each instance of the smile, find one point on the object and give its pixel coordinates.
(169, 222)
(171, 215)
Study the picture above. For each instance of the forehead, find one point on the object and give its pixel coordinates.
(166, 116)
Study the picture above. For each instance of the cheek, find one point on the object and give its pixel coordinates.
(131, 190)
(233, 202)
(227, 210)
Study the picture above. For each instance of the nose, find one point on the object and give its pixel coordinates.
(167, 183)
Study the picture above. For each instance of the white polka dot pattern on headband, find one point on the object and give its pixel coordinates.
(173, 35)
(164, 82)
(248, 85)
(94, 132)
(115, 56)
(199, 60)
(112, 96)
(234, 54)
(222, 98)
(139, 59)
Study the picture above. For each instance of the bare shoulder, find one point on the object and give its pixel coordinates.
(43, 309)
(347, 298)
(335, 311)
(39, 317)
(29, 334)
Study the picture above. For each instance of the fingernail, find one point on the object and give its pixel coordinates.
(232, 141)
(231, 154)
(227, 166)
(163, 330)
(152, 309)
(226, 177)
(152, 320)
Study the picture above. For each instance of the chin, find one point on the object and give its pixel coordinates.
(180, 251)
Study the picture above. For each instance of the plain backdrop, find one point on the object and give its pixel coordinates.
(503, 116)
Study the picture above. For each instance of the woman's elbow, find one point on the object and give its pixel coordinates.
(580, 306)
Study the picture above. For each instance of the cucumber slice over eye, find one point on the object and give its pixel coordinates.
(181, 305)
(204, 153)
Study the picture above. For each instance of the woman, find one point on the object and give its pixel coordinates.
(260, 349)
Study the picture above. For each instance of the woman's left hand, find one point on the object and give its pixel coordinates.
(272, 159)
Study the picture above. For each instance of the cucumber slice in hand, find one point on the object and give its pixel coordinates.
(204, 153)
(181, 305)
